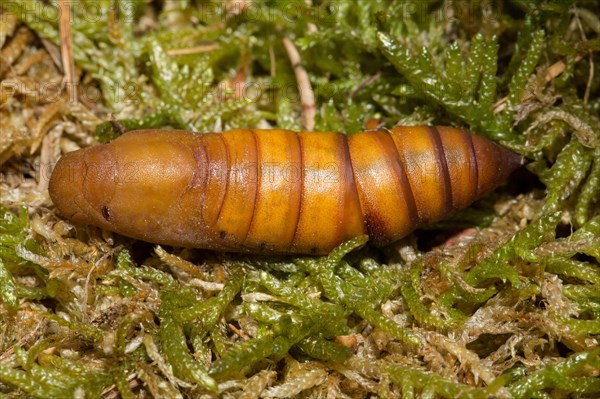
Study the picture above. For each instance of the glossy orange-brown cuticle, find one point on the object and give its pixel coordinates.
(378, 174)
(233, 221)
(323, 193)
(276, 191)
(462, 165)
(418, 154)
(217, 176)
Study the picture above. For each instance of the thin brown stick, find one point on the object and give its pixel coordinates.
(66, 48)
(8, 26)
(239, 332)
(365, 83)
(54, 53)
(116, 124)
(272, 61)
(23, 66)
(14, 49)
(588, 87)
(49, 144)
(112, 392)
(307, 96)
(557, 68)
(193, 50)
(552, 73)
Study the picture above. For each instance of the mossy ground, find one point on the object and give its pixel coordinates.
(502, 300)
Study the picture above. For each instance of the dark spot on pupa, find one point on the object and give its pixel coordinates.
(223, 234)
(313, 250)
(375, 227)
(106, 212)
(263, 246)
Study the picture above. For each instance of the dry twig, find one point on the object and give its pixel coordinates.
(193, 50)
(66, 47)
(552, 73)
(307, 96)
